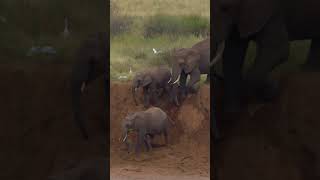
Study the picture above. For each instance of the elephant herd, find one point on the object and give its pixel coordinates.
(155, 81)
(271, 24)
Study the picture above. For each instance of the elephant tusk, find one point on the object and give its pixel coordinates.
(218, 57)
(125, 138)
(169, 80)
(177, 79)
(83, 86)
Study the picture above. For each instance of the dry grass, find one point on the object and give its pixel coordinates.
(169, 7)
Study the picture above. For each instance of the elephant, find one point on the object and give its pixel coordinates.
(192, 61)
(90, 63)
(154, 82)
(147, 124)
(272, 25)
(90, 169)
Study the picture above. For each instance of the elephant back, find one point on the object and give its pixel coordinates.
(156, 117)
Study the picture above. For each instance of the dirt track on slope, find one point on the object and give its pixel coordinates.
(187, 155)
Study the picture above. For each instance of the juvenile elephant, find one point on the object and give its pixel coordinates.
(146, 124)
(90, 63)
(154, 82)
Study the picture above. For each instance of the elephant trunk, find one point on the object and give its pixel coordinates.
(176, 72)
(219, 53)
(76, 95)
(124, 135)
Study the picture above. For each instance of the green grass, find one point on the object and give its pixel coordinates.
(168, 7)
(138, 26)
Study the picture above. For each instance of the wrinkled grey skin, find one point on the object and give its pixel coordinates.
(92, 169)
(90, 63)
(192, 61)
(154, 82)
(272, 24)
(147, 124)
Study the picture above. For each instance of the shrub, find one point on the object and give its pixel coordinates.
(176, 25)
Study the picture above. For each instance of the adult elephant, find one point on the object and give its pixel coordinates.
(90, 63)
(192, 61)
(272, 24)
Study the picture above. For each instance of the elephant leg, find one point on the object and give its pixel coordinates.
(148, 142)
(313, 60)
(233, 58)
(272, 50)
(183, 82)
(140, 139)
(146, 97)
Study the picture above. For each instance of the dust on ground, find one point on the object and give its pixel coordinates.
(188, 154)
(280, 141)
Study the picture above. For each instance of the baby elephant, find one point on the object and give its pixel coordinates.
(154, 82)
(146, 124)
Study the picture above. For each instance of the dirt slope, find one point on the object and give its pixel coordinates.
(280, 141)
(189, 141)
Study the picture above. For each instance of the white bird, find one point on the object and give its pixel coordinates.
(130, 70)
(123, 77)
(155, 51)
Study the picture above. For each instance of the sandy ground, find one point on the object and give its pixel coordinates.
(186, 157)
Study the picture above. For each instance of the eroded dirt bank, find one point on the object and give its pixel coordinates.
(280, 141)
(188, 152)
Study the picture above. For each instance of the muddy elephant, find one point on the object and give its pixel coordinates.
(90, 63)
(154, 82)
(147, 124)
(90, 169)
(192, 61)
(271, 24)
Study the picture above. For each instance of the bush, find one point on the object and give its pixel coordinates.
(176, 25)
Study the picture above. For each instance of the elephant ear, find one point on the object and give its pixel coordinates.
(192, 60)
(146, 81)
(253, 15)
